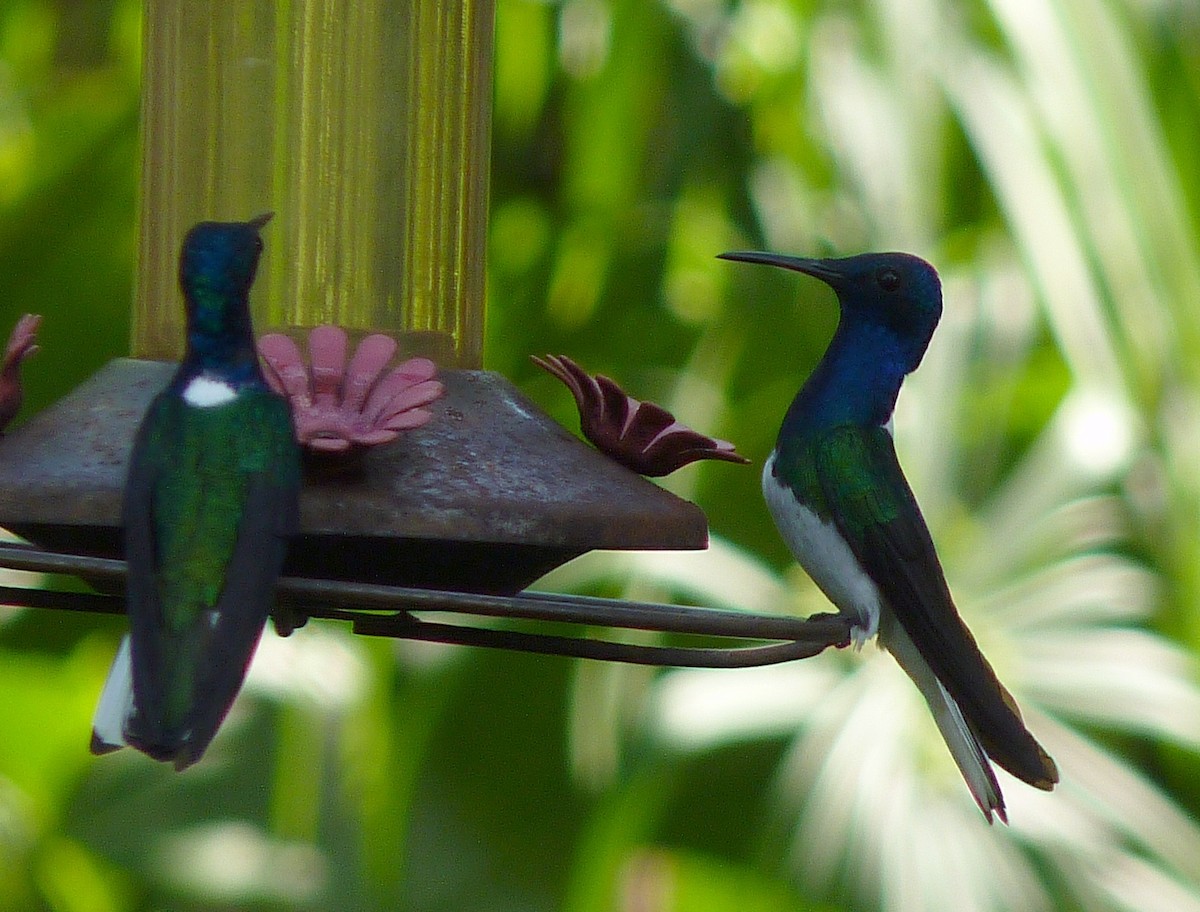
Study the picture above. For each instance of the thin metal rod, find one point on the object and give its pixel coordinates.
(73, 601)
(26, 557)
(546, 607)
(364, 606)
(605, 650)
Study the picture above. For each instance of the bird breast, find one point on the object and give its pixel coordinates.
(824, 554)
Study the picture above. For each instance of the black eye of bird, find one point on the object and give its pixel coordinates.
(888, 279)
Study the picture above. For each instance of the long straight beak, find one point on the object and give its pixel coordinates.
(259, 220)
(817, 268)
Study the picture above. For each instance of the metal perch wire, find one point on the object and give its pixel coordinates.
(394, 611)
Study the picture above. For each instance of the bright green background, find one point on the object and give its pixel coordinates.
(1042, 155)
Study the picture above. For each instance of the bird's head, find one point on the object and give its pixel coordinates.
(895, 291)
(217, 265)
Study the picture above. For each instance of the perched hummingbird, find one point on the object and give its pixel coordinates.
(835, 489)
(210, 501)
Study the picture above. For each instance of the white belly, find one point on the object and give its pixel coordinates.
(825, 556)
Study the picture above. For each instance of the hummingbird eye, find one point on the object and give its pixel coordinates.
(888, 279)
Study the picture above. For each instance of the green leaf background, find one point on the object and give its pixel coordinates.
(1042, 155)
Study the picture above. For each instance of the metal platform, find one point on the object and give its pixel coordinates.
(487, 497)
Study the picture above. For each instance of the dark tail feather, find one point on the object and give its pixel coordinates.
(1015, 749)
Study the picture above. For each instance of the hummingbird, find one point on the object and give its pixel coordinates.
(210, 500)
(837, 494)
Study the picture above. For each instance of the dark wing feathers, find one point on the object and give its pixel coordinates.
(241, 613)
(867, 494)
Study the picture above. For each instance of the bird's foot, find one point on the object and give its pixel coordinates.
(288, 618)
(862, 628)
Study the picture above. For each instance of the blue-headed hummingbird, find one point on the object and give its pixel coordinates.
(210, 502)
(834, 487)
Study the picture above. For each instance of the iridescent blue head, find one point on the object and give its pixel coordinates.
(895, 292)
(890, 305)
(216, 270)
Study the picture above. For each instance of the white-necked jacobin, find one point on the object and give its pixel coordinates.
(210, 501)
(837, 494)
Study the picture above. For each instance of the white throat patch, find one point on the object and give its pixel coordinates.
(205, 392)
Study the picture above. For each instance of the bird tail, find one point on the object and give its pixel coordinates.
(964, 746)
(116, 704)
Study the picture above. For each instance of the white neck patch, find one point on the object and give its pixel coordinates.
(205, 392)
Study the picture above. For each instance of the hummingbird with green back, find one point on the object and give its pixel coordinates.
(210, 502)
(834, 487)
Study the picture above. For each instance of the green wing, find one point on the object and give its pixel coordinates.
(862, 489)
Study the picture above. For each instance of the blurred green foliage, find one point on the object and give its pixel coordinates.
(1041, 155)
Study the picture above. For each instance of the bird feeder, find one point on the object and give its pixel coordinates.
(365, 128)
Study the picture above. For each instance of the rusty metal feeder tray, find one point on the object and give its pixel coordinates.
(487, 497)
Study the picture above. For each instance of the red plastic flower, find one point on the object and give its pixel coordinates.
(21, 344)
(336, 405)
(640, 435)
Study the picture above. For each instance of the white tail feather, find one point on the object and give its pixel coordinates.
(116, 703)
(964, 747)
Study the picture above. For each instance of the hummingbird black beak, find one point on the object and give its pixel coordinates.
(259, 220)
(818, 269)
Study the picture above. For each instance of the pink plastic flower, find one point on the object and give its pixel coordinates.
(22, 343)
(336, 405)
(640, 435)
